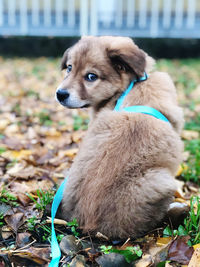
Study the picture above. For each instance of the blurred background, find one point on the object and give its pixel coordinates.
(47, 27)
(39, 138)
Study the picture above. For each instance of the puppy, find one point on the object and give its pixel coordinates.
(122, 180)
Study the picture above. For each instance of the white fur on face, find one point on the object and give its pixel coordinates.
(73, 101)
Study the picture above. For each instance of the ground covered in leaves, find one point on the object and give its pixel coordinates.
(38, 142)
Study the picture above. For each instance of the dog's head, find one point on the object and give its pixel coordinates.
(97, 69)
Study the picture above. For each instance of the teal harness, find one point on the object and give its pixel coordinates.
(138, 109)
(55, 249)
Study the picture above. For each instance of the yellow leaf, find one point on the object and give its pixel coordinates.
(68, 153)
(163, 241)
(181, 200)
(77, 136)
(195, 260)
(181, 169)
(53, 133)
(3, 124)
(196, 246)
(14, 154)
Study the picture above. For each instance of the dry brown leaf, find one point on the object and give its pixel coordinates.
(179, 251)
(23, 198)
(23, 239)
(20, 170)
(13, 143)
(6, 232)
(30, 186)
(14, 221)
(38, 255)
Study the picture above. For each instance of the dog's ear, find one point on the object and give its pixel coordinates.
(64, 59)
(128, 58)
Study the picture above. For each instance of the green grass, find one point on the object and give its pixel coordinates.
(193, 162)
(2, 150)
(80, 123)
(1, 219)
(184, 72)
(44, 117)
(44, 198)
(193, 124)
(8, 198)
(191, 224)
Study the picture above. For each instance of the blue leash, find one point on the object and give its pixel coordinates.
(55, 249)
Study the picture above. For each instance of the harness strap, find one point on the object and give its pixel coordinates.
(138, 109)
(126, 92)
(147, 110)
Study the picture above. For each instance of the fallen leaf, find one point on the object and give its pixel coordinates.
(179, 250)
(23, 239)
(14, 221)
(68, 153)
(38, 255)
(3, 124)
(30, 186)
(22, 171)
(145, 261)
(6, 232)
(195, 260)
(23, 198)
(14, 154)
(52, 132)
(13, 143)
(78, 136)
(181, 169)
(196, 246)
(163, 241)
(189, 134)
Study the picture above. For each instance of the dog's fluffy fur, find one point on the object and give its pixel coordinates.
(122, 180)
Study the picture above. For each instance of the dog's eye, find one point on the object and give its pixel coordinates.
(91, 77)
(69, 68)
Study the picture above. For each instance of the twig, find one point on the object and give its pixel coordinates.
(19, 249)
(125, 242)
(56, 221)
(90, 239)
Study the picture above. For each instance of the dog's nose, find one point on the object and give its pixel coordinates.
(62, 94)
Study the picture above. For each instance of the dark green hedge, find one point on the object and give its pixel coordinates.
(54, 47)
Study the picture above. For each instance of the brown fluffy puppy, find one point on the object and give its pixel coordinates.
(122, 180)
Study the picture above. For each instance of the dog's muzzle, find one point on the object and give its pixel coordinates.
(62, 95)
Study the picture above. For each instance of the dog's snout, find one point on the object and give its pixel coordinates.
(62, 94)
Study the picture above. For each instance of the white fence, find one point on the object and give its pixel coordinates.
(136, 18)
